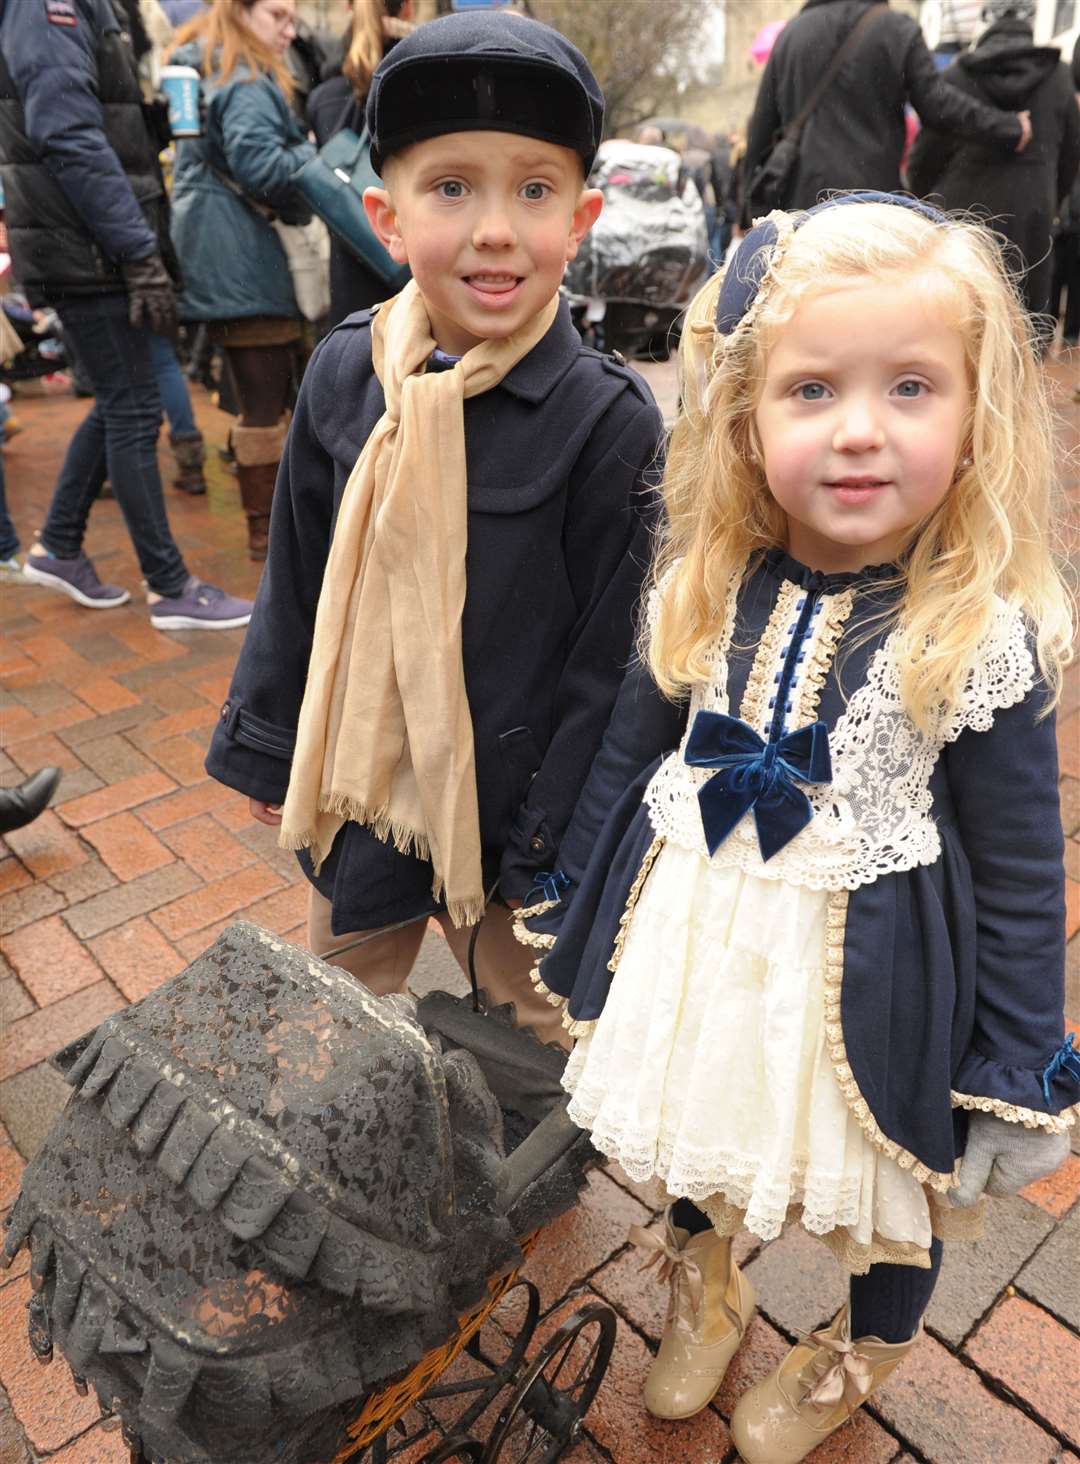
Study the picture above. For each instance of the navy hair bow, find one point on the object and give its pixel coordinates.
(756, 774)
(748, 264)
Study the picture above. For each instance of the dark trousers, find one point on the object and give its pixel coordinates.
(1067, 278)
(117, 439)
(888, 1302)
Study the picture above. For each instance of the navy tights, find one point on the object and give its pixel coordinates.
(887, 1302)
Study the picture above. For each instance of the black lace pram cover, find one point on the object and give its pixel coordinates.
(273, 1193)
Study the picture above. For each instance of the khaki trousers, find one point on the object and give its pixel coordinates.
(503, 964)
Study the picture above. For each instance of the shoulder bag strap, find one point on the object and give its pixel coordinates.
(863, 24)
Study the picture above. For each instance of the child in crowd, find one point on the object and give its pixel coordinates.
(459, 532)
(811, 939)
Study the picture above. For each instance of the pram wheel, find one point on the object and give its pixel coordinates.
(544, 1414)
(456, 1451)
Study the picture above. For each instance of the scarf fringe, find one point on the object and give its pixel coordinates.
(380, 821)
(464, 913)
(406, 840)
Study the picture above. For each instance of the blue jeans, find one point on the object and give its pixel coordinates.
(118, 439)
(9, 539)
(173, 387)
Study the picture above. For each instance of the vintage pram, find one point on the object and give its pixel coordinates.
(276, 1208)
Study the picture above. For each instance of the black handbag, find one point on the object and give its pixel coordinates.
(769, 185)
(332, 183)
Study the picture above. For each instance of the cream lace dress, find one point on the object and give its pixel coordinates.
(709, 1066)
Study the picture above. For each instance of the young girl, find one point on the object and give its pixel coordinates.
(811, 940)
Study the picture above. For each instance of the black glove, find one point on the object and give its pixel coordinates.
(151, 301)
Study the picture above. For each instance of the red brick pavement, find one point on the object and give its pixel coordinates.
(142, 860)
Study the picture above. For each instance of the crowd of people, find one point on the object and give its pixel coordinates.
(999, 135)
(790, 887)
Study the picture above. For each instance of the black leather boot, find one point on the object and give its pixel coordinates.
(22, 804)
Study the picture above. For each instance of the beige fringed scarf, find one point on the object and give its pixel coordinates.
(385, 735)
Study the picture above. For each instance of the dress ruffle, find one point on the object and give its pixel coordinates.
(710, 1066)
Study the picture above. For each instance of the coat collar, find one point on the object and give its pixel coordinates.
(536, 375)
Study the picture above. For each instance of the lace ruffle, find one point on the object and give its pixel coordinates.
(1054, 1123)
(835, 924)
(875, 818)
(575, 1028)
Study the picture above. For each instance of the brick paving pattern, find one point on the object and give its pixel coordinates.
(142, 860)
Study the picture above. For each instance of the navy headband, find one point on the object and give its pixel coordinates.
(751, 259)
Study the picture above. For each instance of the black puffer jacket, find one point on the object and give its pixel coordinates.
(855, 136)
(82, 187)
(1020, 192)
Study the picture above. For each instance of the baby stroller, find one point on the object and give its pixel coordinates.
(277, 1208)
(640, 264)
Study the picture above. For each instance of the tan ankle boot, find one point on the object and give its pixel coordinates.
(816, 1388)
(710, 1308)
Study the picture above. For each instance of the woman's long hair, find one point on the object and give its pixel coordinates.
(992, 534)
(228, 42)
(374, 23)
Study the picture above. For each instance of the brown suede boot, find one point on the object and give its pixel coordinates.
(190, 454)
(711, 1305)
(258, 451)
(816, 1389)
(257, 494)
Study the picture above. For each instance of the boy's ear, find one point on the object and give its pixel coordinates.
(586, 212)
(383, 219)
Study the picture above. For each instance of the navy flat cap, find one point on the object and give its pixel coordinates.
(750, 261)
(484, 72)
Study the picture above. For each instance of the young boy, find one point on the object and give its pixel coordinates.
(459, 531)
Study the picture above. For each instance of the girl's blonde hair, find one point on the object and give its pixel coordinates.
(990, 534)
(228, 42)
(373, 23)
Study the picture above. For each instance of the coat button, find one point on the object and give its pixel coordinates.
(225, 712)
(618, 357)
(537, 843)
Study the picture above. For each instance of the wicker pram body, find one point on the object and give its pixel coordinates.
(276, 1207)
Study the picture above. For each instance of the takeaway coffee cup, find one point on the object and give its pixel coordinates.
(181, 87)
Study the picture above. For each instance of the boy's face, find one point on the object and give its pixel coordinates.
(487, 221)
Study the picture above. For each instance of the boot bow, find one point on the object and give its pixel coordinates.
(848, 1377)
(672, 1265)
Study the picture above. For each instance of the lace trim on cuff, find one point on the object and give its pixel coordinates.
(1055, 1123)
(835, 923)
(533, 938)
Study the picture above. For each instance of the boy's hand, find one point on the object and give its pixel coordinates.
(267, 813)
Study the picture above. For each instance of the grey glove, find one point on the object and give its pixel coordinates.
(151, 300)
(1003, 1157)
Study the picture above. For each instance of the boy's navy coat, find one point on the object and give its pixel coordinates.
(561, 459)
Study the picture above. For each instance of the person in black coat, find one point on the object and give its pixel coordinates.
(854, 138)
(1021, 192)
(559, 496)
(338, 102)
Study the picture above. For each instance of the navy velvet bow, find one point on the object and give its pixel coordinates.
(756, 774)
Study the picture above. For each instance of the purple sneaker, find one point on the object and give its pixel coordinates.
(76, 577)
(199, 606)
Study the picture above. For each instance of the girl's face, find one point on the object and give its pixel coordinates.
(861, 420)
(273, 21)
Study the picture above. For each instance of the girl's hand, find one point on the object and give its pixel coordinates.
(1003, 1157)
(266, 813)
